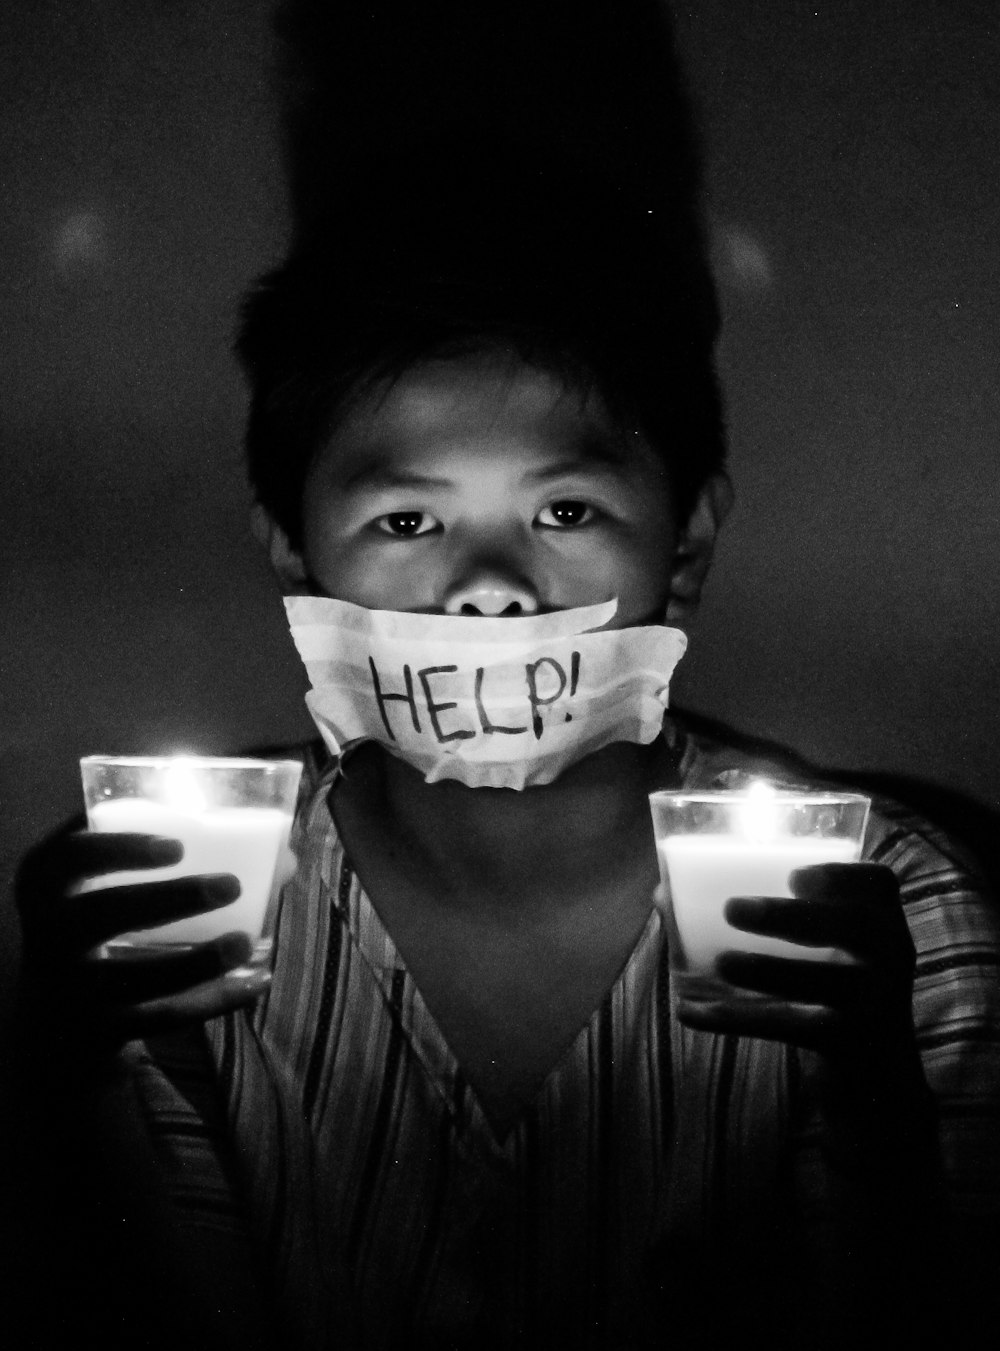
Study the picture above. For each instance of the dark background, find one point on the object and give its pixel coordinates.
(853, 189)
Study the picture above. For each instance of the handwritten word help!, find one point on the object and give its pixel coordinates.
(535, 673)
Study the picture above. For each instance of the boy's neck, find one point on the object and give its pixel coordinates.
(516, 842)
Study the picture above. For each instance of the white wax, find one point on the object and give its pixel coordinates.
(245, 841)
(704, 871)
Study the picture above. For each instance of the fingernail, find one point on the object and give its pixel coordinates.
(235, 947)
(252, 977)
(166, 851)
(222, 886)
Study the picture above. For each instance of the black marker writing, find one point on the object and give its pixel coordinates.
(434, 709)
(534, 698)
(407, 698)
(574, 676)
(484, 718)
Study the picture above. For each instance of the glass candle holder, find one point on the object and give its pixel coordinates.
(230, 816)
(712, 846)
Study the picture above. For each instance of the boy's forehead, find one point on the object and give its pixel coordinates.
(486, 399)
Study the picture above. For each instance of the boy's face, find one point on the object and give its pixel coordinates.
(472, 486)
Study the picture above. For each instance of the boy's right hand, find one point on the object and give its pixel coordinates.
(87, 1001)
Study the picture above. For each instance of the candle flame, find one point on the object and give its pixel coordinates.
(758, 813)
(182, 788)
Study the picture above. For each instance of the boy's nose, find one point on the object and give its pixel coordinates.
(487, 596)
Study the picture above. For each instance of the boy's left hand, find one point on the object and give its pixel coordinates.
(856, 1011)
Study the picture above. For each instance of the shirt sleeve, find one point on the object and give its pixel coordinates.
(202, 1221)
(183, 1113)
(955, 925)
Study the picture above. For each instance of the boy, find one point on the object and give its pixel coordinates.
(455, 1101)
(468, 1109)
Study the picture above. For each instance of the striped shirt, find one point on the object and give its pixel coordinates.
(333, 1126)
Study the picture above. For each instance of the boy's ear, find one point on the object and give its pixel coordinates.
(287, 563)
(693, 555)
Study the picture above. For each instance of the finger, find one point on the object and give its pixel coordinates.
(838, 985)
(852, 922)
(82, 922)
(138, 977)
(208, 1000)
(871, 883)
(866, 903)
(52, 842)
(66, 857)
(813, 1027)
(816, 924)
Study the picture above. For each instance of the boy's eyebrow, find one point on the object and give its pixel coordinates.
(594, 452)
(567, 467)
(380, 475)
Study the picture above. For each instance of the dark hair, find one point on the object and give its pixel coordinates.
(582, 278)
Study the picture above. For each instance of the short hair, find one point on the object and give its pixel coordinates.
(579, 278)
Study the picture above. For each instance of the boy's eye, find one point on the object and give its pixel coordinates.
(566, 514)
(406, 524)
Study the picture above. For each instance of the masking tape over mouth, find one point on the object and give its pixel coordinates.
(501, 703)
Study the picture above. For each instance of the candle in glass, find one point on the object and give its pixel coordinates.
(231, 816)
(713, 846)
